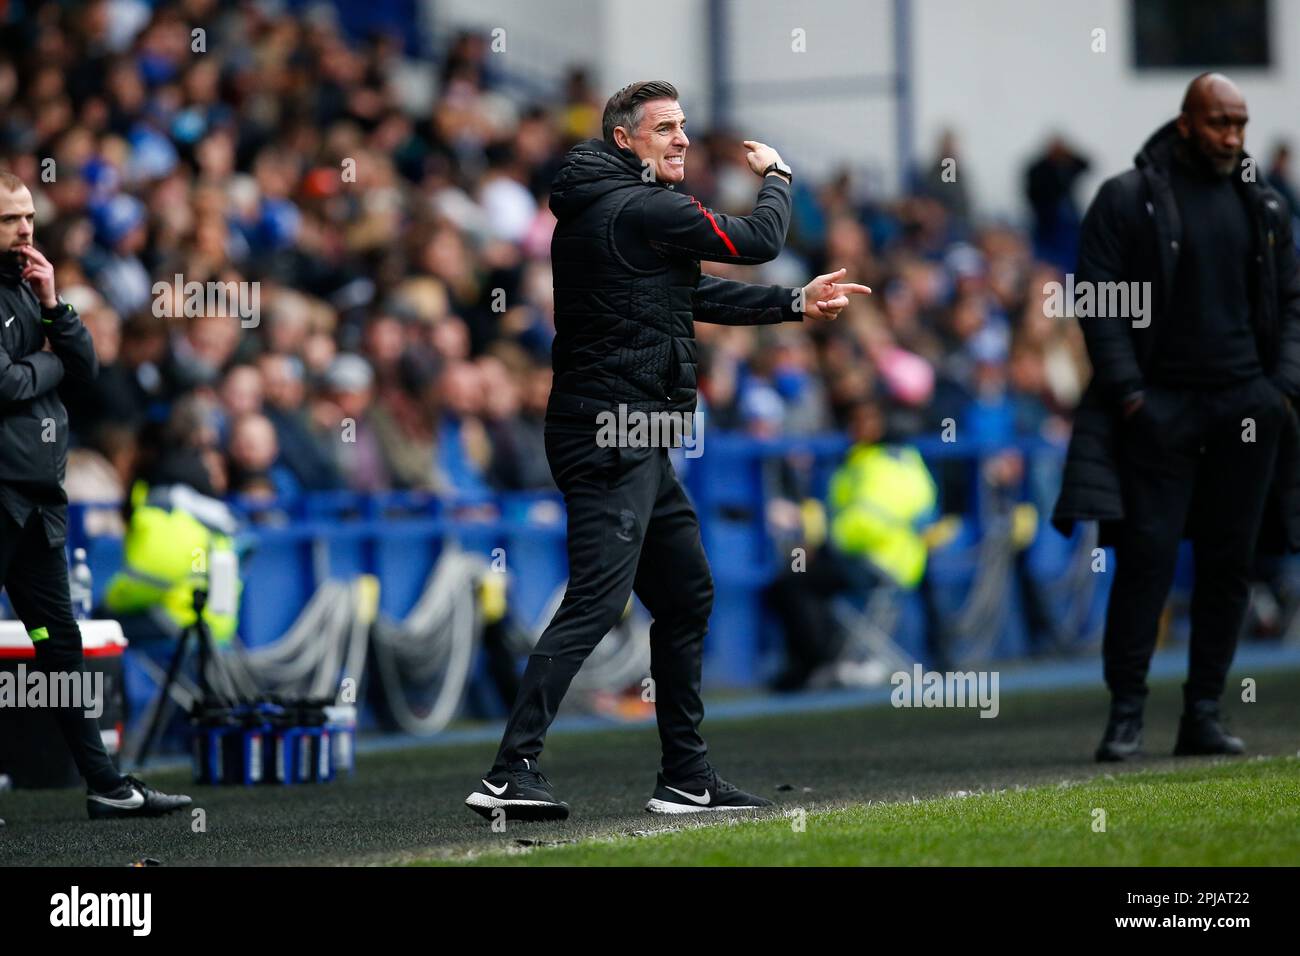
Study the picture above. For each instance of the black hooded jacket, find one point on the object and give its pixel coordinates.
(1132, 233)
(626, 263)
(33, 422)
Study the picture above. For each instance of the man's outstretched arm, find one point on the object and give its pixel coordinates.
(728, 302)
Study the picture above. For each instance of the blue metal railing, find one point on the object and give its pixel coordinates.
(398, 537)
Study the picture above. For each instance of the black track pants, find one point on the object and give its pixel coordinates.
(630, 528)
(1183, 441)
(35, 576)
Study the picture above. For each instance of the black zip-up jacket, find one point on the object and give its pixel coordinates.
(33, 421)
(625, 259)
(1132, 233)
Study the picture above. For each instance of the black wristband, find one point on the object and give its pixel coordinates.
(58, 311)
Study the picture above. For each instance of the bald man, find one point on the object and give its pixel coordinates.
(1187, 428)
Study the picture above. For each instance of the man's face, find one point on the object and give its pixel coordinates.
(1215, 125)
(660, 141)
(17, 218)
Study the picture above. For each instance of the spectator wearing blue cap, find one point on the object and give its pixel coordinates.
(114, 262)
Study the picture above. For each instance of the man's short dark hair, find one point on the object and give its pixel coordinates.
(626, 107)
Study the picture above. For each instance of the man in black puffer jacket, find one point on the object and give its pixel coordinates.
(1187, 429)
(626, 258)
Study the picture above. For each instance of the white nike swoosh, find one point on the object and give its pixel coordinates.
(495, 791)
(134, 802)
(702, 801)
(11, 318)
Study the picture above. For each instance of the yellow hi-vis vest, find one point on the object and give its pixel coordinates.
(880, 499)
(166, 554)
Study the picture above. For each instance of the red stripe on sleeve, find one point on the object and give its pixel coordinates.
(712, 222)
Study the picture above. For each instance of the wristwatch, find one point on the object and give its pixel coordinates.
(782, 168)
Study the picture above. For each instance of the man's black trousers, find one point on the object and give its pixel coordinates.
(1179, 442)
(35, 576)
(631, 528)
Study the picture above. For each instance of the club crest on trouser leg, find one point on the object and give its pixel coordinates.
(626, 524)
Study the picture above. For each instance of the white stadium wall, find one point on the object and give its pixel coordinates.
(1003, 74)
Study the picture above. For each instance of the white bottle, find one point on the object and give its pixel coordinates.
(80, 586)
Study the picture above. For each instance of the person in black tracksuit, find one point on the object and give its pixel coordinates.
(1188, 427)
(626, 261)
(41, 341)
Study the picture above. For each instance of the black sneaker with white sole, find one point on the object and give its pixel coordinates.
(704, 793)
(133, 798)
(522, 790)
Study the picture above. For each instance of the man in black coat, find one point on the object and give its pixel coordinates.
(41, 339)
(626, 261)
(1187, 428)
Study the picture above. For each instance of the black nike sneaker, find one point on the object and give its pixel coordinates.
(701, 794)
(133, 798)
(522, 790)
(1122, 740)
(1123, 737)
